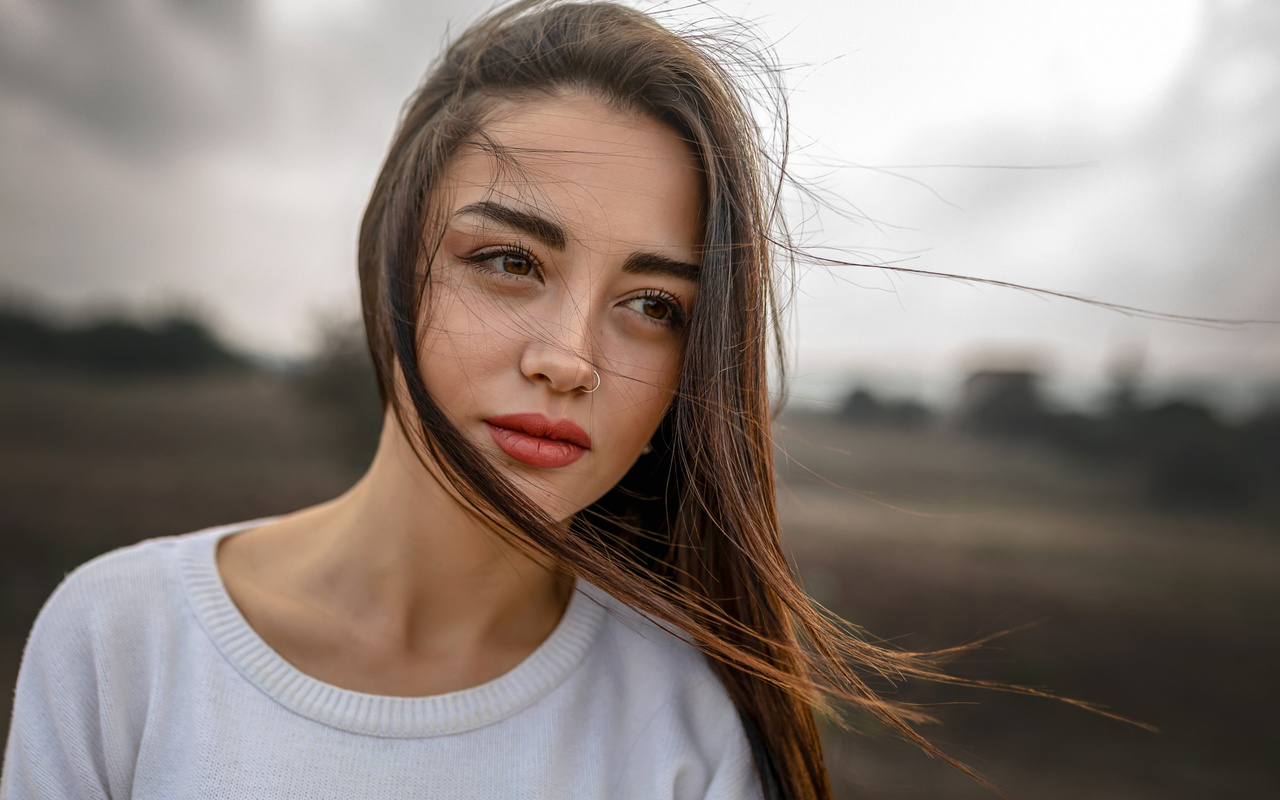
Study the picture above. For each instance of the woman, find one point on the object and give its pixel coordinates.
(561, 574)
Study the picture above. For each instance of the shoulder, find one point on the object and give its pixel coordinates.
(100, 621)
(639, 636)
(119, 608)
(108, 594)
(668, 677)
(90, 665)
(675, 721)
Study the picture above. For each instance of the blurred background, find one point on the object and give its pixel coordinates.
(180, 188)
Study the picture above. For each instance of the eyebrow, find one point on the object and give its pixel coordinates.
(553, 235)
(654, 264)
(541, 228)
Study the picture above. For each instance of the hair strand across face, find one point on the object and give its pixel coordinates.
(690, 535)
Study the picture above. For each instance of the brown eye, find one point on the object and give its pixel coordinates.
(659, 309)
(655, 308)
(512, 264)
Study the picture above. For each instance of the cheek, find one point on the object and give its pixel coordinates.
(462, 343)
(644, 387)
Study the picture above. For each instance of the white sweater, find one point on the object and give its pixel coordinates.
(141, 679)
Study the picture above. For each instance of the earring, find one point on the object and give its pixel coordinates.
(647, 449)
(597, 386)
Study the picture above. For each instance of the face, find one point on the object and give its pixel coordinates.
(560, 293)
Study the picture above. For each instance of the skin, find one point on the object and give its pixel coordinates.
(397, 587)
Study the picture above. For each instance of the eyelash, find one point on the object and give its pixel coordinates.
(678, 318)
(480, 260)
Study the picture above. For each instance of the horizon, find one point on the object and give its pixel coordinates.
(823, 391)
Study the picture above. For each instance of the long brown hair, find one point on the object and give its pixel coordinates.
(690, 536)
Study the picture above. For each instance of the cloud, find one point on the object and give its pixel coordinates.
(144, 78)
(215, 154)
(1176, 210)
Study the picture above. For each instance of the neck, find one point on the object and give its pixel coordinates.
(401, 553)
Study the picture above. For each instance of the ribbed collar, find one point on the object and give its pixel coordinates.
(369, 714)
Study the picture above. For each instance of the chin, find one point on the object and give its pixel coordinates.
(554, 504)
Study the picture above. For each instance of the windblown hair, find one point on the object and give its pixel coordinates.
(690, 536)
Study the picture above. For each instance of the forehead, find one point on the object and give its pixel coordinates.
(614, 180)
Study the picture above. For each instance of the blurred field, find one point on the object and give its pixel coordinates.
(936, 538)
(926, 537)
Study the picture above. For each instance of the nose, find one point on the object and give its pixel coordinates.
(559, 354)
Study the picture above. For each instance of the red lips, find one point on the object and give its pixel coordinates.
(537, 441)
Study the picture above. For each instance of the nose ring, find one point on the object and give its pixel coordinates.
(593, 388)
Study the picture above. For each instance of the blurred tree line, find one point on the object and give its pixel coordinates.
(338, 381)
(1190, 456)
(179, 343)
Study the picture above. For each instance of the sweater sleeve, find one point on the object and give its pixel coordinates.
(55, 739)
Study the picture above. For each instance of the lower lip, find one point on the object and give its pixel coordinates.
(535, 450)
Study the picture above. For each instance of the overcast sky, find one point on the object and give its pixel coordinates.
(218, 156)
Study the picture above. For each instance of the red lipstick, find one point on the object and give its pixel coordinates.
(537, 441)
